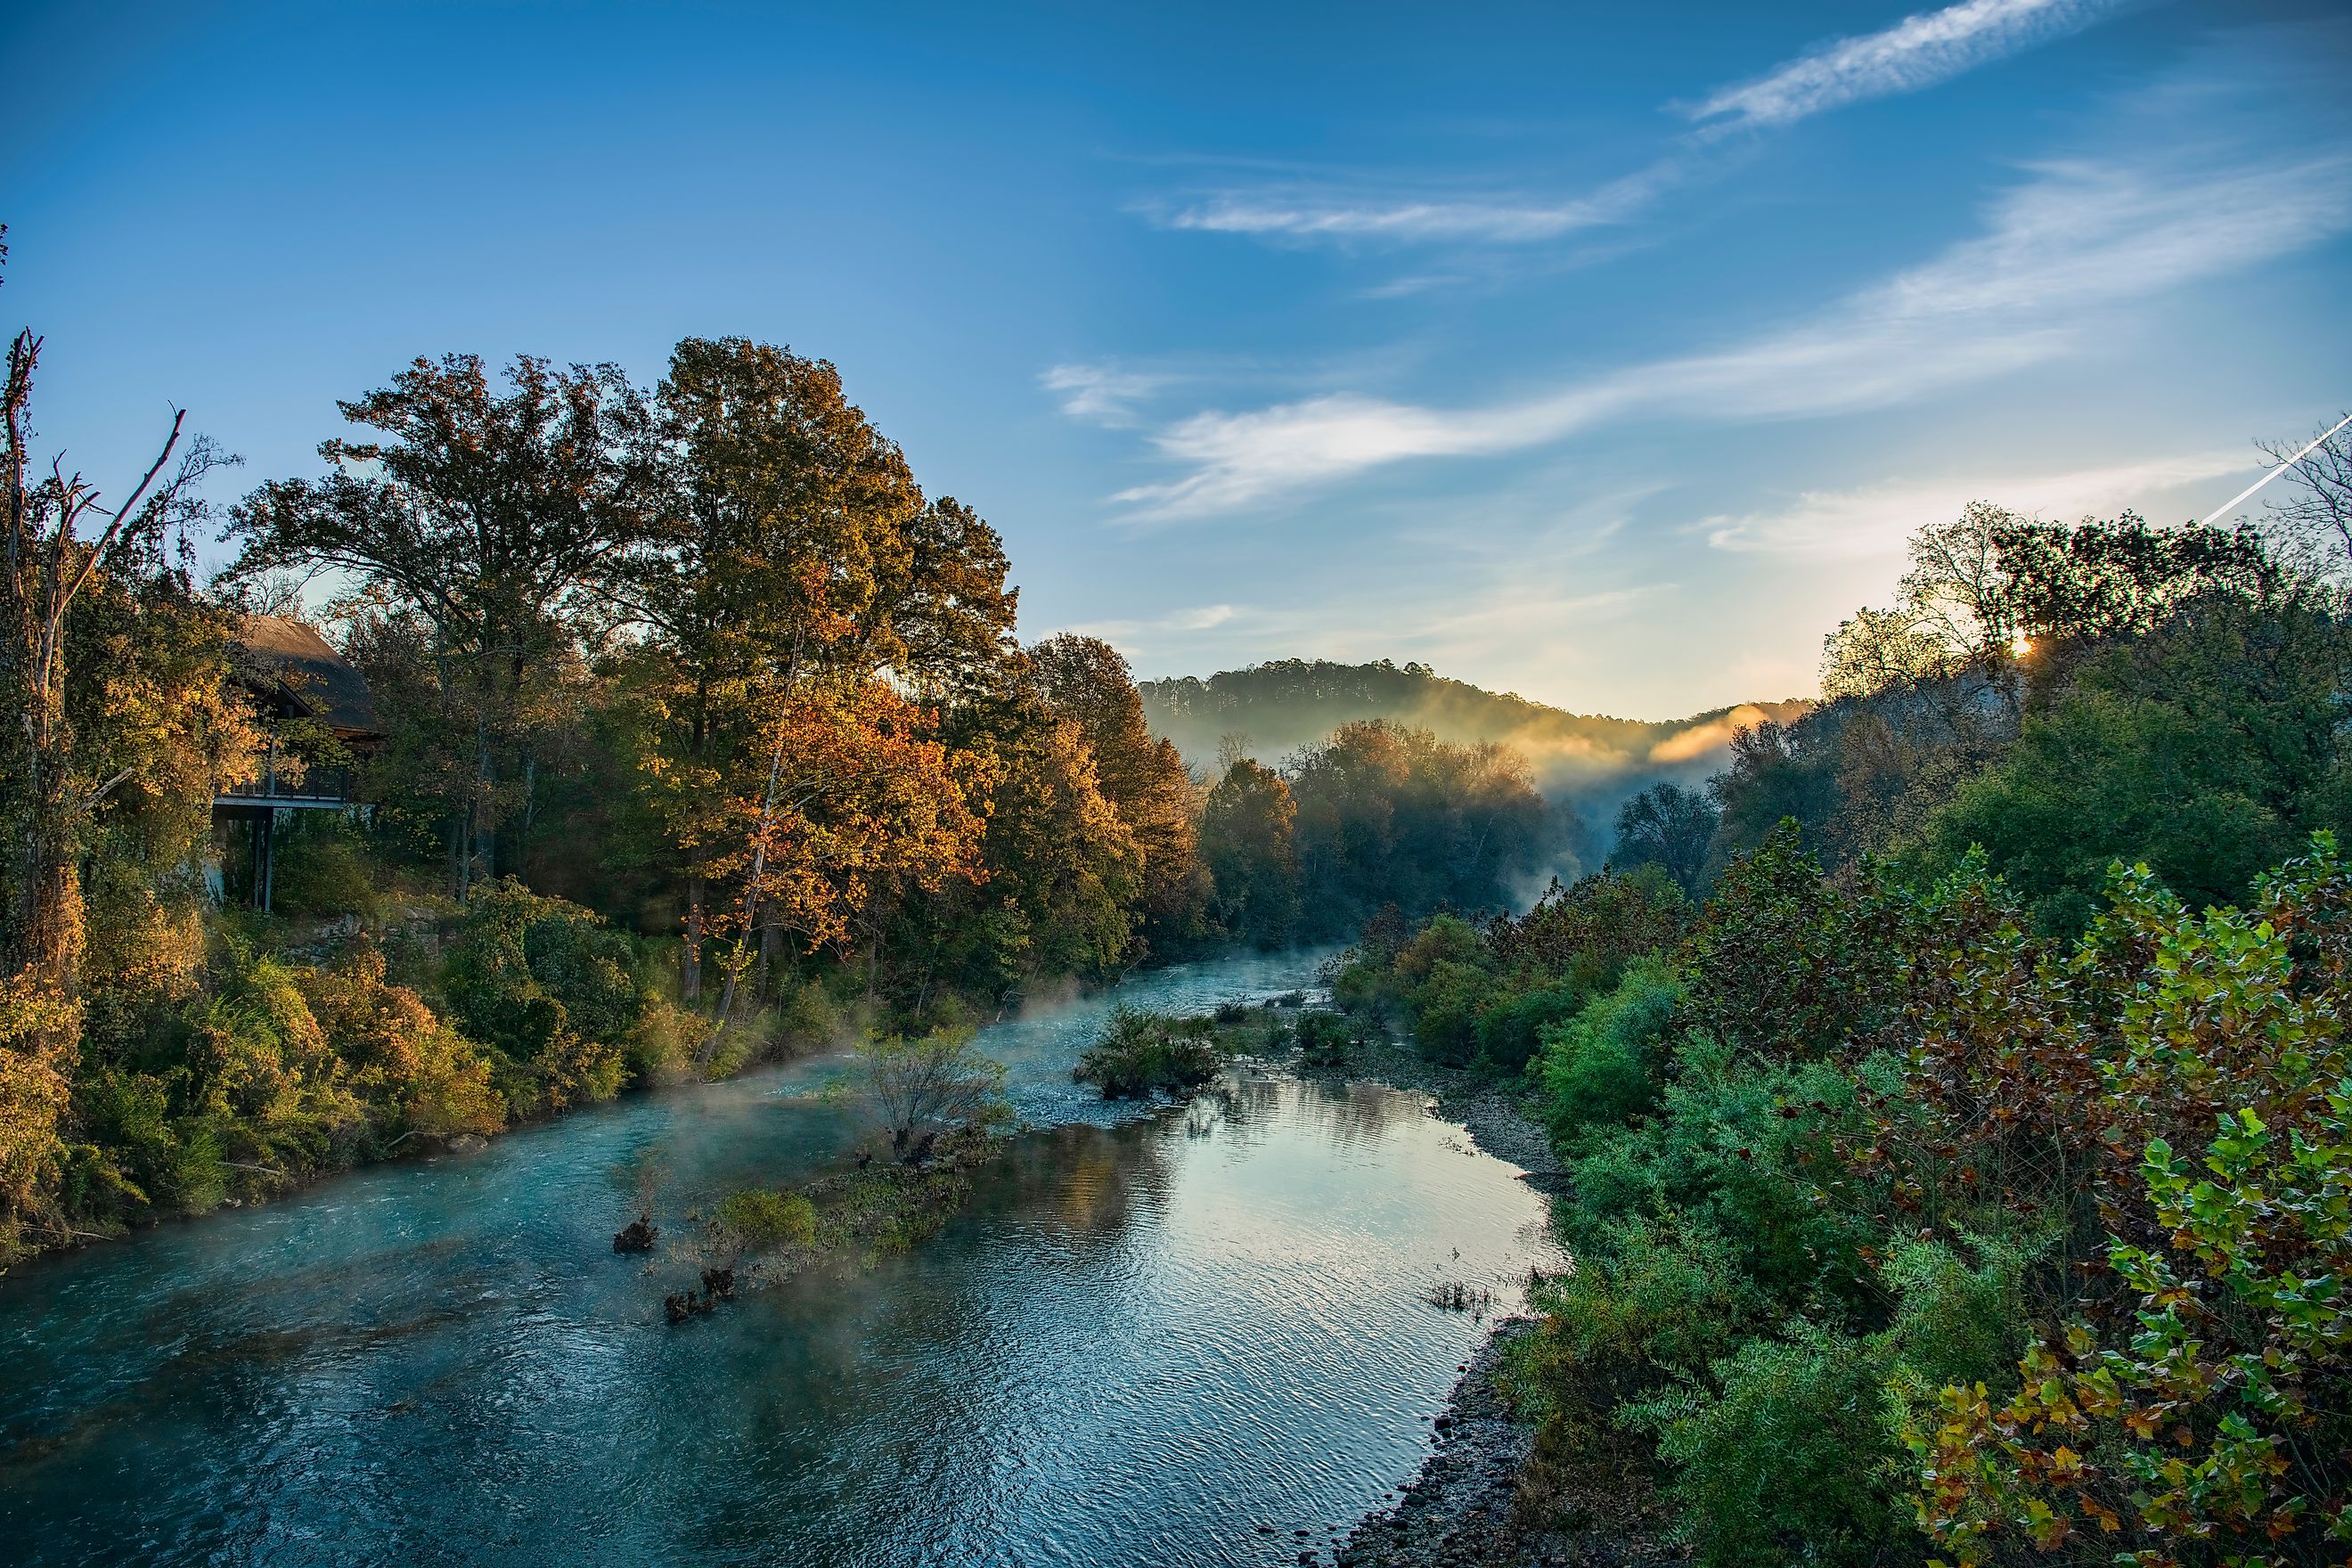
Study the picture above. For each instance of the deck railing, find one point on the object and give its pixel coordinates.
(318, 787)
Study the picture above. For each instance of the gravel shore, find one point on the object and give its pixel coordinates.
(1458, 1512)
(1492, 1111)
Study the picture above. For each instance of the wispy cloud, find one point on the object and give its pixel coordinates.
(1875, 520)
(1306, 215)
(2075, 239)
(1103, 395)
(1136, 636)
(1917, 52)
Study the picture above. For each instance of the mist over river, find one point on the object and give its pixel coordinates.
(1145, 1338)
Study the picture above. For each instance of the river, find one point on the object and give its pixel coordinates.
(1147, 1338)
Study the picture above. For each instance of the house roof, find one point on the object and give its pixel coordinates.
(300, 668)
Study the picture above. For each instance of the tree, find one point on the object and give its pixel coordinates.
(1059, 867)
(2207, 750)
(1392, 814)
(791, 550)
(2316, 518)
(113, 672)
(493, 518)
(1247, 842)
(52, 798)
(857, 791)
(929, 1084)
(1667, 826)
(2060, 588)
(1143, 776)
(1873, 650)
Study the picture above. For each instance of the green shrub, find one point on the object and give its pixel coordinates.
(667, 1040)
(321, 869)
(759, 1217)
(1511, 1029)
(1444, 1009)
(419, 1074)
(1792, 1459)
(163, 1163)
(1954, 1322)
(1143, 1054)
(1599, 1067)
(1325, 1040)
(1654, 1297)
(547, 985)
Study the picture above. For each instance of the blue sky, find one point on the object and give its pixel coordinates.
(1602, 353)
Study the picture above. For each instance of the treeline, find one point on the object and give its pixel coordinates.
(1272, 710)
(1953, 1097)
(703, 732)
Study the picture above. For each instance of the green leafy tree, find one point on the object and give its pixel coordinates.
(483, 523)
(1248, 842)
(1666, 825)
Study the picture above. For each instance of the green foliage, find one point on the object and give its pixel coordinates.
(548, 986)
(2190, 1418)
(1512, 1025)
(1585, 934)
(667, 1040)
(1445, 1008)
(140, 1151)
(1784, 963)
(1391, 814)
(1789, 1457)
(1325, 1040)
(1248, 842)
(760, 1217)
(1811, 1254)
(1142, 1054)
(1599, 1067)
(323, 869)
(2207, 751)
(1652, 1297)
(1488, 995)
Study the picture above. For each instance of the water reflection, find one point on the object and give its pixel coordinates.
(1141, 1341)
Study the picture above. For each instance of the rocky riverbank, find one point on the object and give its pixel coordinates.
(1478, 1501)
(1469, 1508)
(1492, 1111)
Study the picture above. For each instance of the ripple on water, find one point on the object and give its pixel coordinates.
(1143, 1339)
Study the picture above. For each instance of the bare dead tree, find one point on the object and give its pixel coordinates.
(56, 534)
(2314, 517)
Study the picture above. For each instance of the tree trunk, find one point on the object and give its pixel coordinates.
(697, 743)
(769, 943)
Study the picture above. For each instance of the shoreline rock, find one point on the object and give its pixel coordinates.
(1458, 1511)
(1491, 1110)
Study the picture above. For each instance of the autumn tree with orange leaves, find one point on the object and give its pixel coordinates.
(806, 605)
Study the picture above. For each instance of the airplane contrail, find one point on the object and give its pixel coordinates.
(2275, 473)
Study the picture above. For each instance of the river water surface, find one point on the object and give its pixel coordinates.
(1144, 1339)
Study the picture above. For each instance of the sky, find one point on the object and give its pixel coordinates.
(1602, 353)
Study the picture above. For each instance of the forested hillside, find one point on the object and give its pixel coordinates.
(1273, 709)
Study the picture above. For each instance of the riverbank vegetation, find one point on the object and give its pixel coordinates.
(1956, 1119)
(937, 1112)
(699, 733)
(1143, 1054)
